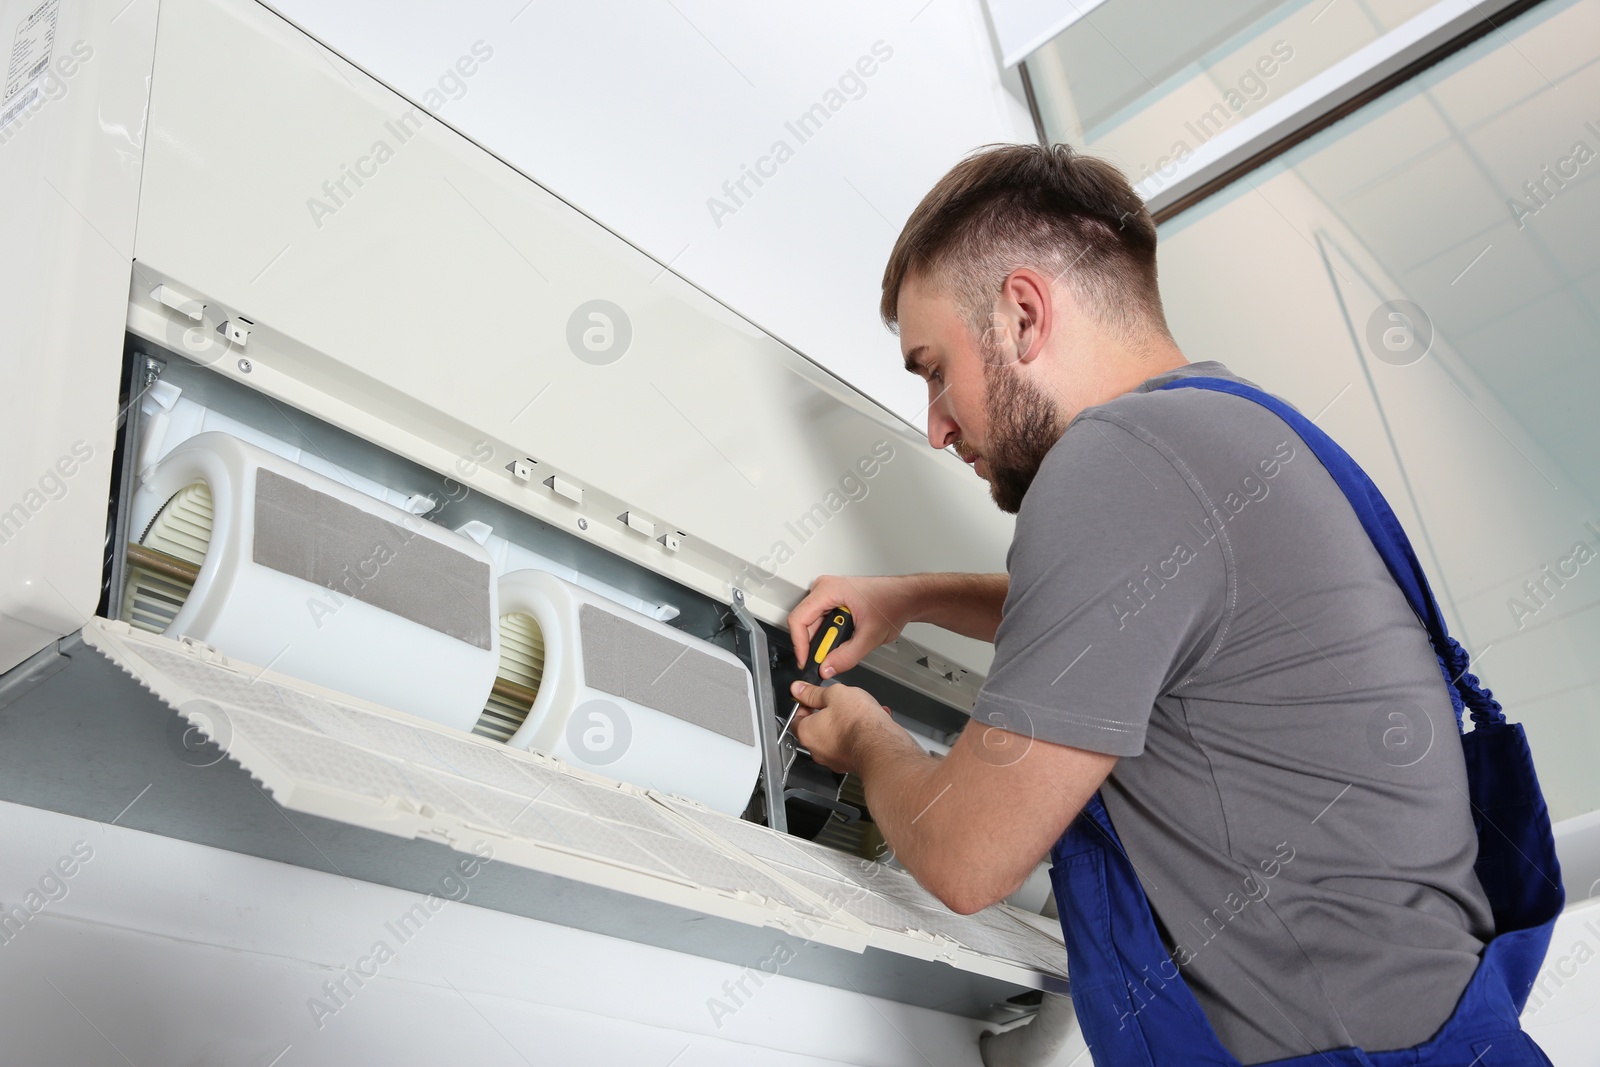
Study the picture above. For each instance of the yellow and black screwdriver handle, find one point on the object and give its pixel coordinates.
(838, 626)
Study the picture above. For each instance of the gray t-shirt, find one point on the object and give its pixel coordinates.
(1191, 591)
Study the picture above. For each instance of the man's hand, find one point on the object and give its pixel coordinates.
(881, 606)
(835, 721)
(967, 604)
(969, 826)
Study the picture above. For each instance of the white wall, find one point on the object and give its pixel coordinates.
(638, 112)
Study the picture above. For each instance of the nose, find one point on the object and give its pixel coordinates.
(942, 428)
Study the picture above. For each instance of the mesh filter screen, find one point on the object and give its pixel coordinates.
(885, 897)
(320, 741)
(313, 536)
(629, 661)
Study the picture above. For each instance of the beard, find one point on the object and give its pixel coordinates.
(1024, 425)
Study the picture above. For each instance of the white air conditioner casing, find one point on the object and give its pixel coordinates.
(628, 709)
(339, 634)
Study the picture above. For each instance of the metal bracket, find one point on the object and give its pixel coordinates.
(37, 668)
(766, 716)
(146, 371)
(849, 812)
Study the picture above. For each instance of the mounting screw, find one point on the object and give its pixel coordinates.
(583, 524)
(244, 366)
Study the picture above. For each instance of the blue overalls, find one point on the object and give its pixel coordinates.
(1111, 934)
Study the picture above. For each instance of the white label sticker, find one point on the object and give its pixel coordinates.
(29, 62)
(32, 48)
(18, 106)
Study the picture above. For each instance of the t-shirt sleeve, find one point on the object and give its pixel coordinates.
(1119, 588)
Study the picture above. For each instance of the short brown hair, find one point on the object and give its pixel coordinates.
(1041, 206)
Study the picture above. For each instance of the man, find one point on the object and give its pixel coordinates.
(1193, 623)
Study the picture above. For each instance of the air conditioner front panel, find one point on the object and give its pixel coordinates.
(367, 766)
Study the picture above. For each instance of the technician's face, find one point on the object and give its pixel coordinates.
(939, 347)
(980, 402)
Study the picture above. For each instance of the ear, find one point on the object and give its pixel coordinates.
(1025, 296)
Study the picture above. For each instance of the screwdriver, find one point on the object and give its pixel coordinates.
(838, 626)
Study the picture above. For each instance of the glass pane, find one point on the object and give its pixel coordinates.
(1143, 83)
(1424, 278)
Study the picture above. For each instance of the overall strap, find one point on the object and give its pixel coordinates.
(1387, 537)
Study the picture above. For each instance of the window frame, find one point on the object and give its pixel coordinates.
(1380, 67)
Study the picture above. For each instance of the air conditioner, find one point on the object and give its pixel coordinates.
(349, 522)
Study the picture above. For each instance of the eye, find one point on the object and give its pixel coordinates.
(935, 375)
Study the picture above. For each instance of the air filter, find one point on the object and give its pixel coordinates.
(280, 566)
(629, 697)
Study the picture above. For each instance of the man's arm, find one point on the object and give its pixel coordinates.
(968, 604)
(970, 826)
